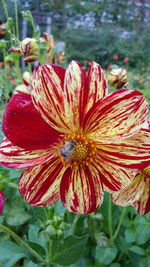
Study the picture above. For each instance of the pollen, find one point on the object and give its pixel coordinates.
(77, 149)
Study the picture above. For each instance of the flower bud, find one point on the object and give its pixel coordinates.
(118, 78)
(2, 201)
(28, 48)
(3, 30)
(9, 60)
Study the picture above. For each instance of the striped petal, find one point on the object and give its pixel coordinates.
(136, 194)
(132, 153)
(116, 117)
(23, 125)
(48, 95)
(40, 185)
(74, 88)
(81, 190)
(96, 85)
(113, 176)
(12, 156)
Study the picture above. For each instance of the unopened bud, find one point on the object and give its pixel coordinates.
(118, 78)
(9, 60)
(28, 48)
(3, 30)
(2, 202)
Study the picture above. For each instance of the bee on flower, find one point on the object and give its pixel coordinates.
(73, 139)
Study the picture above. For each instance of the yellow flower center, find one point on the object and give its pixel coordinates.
(77, 149)
(146, 171)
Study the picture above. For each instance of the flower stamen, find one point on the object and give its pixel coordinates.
(77, 149)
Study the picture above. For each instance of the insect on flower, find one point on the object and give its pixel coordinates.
(68, 148)
(73, 139)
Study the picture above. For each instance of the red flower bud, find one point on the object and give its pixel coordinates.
(109, 67)
(115, 57)
(126, 60)
(2, 201)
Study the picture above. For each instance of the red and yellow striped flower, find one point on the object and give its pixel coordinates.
(137, 193)
(72, 139)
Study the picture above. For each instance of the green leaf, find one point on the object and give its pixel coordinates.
(106, 255)
(17, 216)
(69, 251)
(38, 248)
(142, 233)
(32, 264)
(114, 264)
(35, 236)
(36, 34)
(10, 252)
(145, 262)
(137, 250)
(130, 236)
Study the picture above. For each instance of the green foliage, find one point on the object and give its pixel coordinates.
(85, 240)
(101, 44)
(69, 251)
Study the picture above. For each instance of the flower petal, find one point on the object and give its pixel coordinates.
(113, 176)
(40, 185)
(116, 117)
(23, 125)
(132, 153)
(81, 190)
(96, 85)
(48, 95)
(12, 156)
(74, 89)
(143, 204)
(136, 194)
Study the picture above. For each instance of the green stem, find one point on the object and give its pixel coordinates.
(16, 16)
(32, 23)
(5, 8)
(21, 243)
(17, 63)
(119, 224)
(5, 79)
(48, 264)
(75, 222)
(110, 217)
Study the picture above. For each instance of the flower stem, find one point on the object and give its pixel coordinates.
(17, 63)
(75, 222)
(21, 243)
(5, 74)
(16, 15)
(110, 216)
(5, 8)
(32, 23)
(119, 224)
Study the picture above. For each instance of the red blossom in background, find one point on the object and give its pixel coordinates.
(2, 202)
(126, 60)
(109, 67)
(73, 139)
(115, 57)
